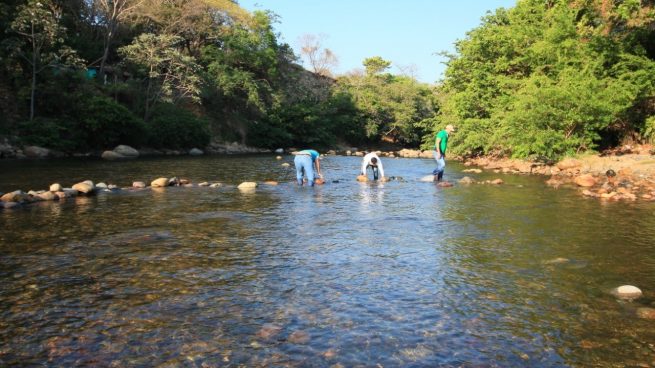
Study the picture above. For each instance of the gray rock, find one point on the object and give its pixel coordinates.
(101, 186)
(196, 152)
(126, 151)
(279, 150)
(36, 152)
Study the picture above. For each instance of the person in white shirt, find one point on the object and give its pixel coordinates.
(373, 161)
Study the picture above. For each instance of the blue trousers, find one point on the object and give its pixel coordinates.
(441, 165)
(304, 162)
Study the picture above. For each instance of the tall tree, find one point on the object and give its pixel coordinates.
(38, 25)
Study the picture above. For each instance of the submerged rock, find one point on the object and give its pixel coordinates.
(466, 180)
(299, 337)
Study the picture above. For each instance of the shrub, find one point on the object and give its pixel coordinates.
(50, 133)
(105, 123)
(173, 127)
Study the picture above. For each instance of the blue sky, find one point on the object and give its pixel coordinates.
(408, 33)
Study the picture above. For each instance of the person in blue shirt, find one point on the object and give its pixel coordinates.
(305, 161)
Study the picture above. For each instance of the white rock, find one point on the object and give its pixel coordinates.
(138, 184)
(203, 184)
(278, 157)
(216, 185)
(56, 187)
(83, 187)
(196, 152)
(247, 185)
(627, 292)
(286, 164)
(279, 150)
(101, 185)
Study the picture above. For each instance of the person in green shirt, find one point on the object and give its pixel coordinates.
(440, 146)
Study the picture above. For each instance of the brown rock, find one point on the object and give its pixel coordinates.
(497, 181)
(466, 180)
(568, 163)
(362, 178)
(270, 182)
(15, 196)
(586, 180)
(299, 337)
(268, 330)
(444, 184)
(646, 313)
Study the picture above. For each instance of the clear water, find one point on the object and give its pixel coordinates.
(348, 274)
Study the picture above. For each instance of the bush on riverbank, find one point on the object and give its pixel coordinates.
(173, 127)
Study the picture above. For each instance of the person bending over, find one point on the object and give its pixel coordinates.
(373, 161)
(305, 162)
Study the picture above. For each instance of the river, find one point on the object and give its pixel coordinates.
(347, 274)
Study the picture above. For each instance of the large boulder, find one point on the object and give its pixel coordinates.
(159, 183)
(36, 152)
(627, 292)
(126, 151)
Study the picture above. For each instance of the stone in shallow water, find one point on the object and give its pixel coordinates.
(627, 292)
(159, 183)
(299, 337)
(268, 330)
(247, 185)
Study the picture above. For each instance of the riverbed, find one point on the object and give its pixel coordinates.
(403, 273)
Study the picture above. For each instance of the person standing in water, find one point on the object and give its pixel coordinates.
(373, 161)
(440, 146)
(305, 161)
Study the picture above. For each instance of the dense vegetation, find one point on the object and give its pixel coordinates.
(553, 78)
(82, 75)
(543, 78)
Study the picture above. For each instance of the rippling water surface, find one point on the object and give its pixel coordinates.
(347, 274)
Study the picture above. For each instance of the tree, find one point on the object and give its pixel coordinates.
(37, 23)
(170, 76)
(322, 60)
(376, 65)
(113, 12)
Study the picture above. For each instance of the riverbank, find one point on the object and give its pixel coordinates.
(625, 174)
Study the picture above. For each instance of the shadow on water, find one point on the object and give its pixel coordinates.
(402, 273)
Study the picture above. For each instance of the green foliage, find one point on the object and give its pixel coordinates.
(104, 124)
(649, 129)
(173, 127)
(550, 78)
(51, 133)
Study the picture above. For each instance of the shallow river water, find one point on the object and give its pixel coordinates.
(347, 274)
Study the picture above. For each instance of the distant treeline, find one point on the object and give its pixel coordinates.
(542, 78)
